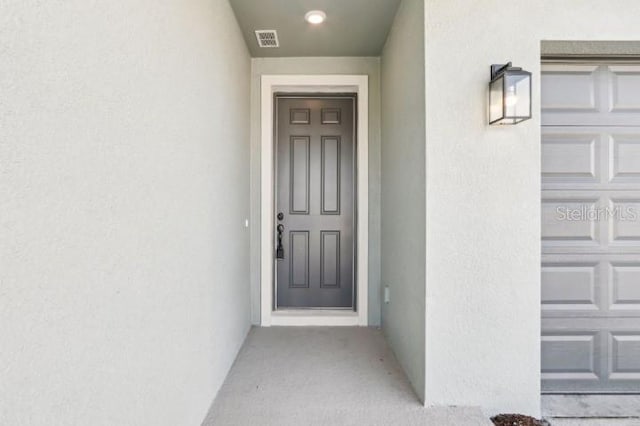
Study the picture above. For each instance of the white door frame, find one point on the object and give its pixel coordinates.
(313, 84)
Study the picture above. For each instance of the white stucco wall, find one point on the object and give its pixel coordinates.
(403, 190)
(483, 195)
(319, 65)
(124, 184)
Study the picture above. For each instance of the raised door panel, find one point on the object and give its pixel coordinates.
(624, 158)
(299, 259)
(300, 116)
(571, 285)
(570, 356)
(330, 259)
(565, 221)
(571, 158)
(580, 221)
(624, 285)
(590, 158)
(299, 165)
(330, 175)
(623, 214)
(570, 89)
(590, 355)
(624, 349)
(624, 89)
(590, 95)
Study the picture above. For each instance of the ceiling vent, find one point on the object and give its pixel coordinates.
(267, 38)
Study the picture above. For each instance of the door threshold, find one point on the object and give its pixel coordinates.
(315, 317)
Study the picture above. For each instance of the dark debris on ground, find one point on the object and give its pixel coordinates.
(517, 420)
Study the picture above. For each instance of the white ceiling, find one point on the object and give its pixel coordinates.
(352, 28)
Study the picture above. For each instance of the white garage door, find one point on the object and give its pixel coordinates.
(591, 228)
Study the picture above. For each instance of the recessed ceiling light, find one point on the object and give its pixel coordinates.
(315, 17)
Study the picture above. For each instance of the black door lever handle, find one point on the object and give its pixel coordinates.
(280, 249)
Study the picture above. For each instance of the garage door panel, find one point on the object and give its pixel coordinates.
(581, 221)
(624, 84)
(570, 89)
(571, 158)
(590, 286)
(571, 355)
(625, 286)
(590, 95)
(590, 208)
(624, 157)
(570, 285)
(590, 158)
(623, 216)
(564, 221)
(591, 356)
(624, 360)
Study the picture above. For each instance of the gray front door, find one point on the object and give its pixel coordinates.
(315, 193)
(591, 228)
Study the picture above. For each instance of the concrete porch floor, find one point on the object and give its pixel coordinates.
(324, 376)
(594, 422)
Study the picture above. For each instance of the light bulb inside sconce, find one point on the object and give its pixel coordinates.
(511, 99)
(315, 17)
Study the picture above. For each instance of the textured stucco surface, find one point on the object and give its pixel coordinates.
(403, 189)
(310, 66)
(483, 192)
(124, 164)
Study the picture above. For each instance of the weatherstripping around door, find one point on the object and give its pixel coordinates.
(315, 193)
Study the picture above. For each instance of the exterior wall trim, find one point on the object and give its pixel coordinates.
(270, 84)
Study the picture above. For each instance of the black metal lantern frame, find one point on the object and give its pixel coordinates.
(509, 94)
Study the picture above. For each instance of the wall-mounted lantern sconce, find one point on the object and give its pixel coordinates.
(509, 95)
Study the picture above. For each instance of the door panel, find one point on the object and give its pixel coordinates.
(591, 228)
(299, 179)
(591, 355)
(330, 174)
(299, 259)
(315, 166)
(329, 258)
(590, 95)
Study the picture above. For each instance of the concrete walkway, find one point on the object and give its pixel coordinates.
(324, 376)
(593, 422)
(592, 410)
